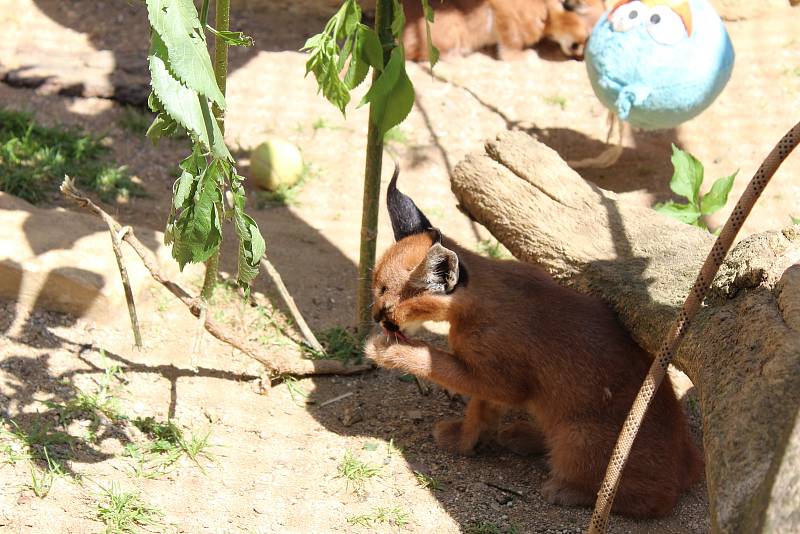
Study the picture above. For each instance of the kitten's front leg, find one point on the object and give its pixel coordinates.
(425, 361)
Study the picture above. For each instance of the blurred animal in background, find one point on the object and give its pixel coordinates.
(465, 26)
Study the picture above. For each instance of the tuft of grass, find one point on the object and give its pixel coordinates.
(492, 248)
(428, 482)
(298, 394)
(795, 220)
(355, 471)
(556, 100)
(123, 511)
(100, 405)
(42, 483)
(339, 344)
(41, 441)
(382, 515)
(486, 527)
(168, 443)
(135, 120)
(34, 160)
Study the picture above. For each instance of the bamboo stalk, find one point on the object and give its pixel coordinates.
(372, 182)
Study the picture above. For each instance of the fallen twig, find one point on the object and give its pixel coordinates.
(116, 236)
(309, 336)
(336, 399)
(503, 488)
(277, 364)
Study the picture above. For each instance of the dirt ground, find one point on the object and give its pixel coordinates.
(276, 457)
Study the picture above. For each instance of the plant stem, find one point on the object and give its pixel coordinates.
(372, 182)
(222, 15)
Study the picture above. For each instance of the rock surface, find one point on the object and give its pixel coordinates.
(742, 350)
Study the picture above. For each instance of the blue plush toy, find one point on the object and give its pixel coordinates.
(658, 63)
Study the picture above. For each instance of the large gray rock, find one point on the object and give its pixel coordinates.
(743, 348)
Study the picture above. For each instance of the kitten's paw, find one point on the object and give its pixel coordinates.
(556, 491)
(523, 438)
(382, 351)
(451, 436)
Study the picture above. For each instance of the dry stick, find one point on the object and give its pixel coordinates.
(277, 364)
(309, 336)
(126, 283)
(619, 456)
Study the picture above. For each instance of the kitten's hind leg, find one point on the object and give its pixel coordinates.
(557, 491)
(460, 436)
(523, 438)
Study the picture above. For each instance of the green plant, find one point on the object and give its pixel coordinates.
(382, 515)
(41, 441)
(34, 160)
(491, 248)
(296, 391)
(339, 344)
(795, 220)
(167, 444)
(186, 88)
(41, 484)
(556, 100)
(345, 41)
(427, 481)
(686, 181)
(355, 471)
(122, 511)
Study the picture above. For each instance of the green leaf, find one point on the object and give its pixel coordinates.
(391, 96)
(232, 38)
(795, 220)
(718, 195)
(162, 126)
(433, 52)
(178, 25)
(251, 244)
(183, 104)
(685, 213)
(366, 51)
(398, 19)
(688, 175)
(197, 232)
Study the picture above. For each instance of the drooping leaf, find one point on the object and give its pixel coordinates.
(391, 96)
(717, 195)
(197, 232)
(398, 19)
(688, 175)
(433, 52)
(182, 103)
(232, 38)
(685, 213)
(251, 244)
(178, 25)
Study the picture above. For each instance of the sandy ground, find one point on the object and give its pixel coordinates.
(275, 457)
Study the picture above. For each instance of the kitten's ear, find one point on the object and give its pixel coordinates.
(438, 272)
(406, 217)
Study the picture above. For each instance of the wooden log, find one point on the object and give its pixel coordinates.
(743, 349)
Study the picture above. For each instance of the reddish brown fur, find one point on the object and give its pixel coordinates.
(520, 340)
(464, 26)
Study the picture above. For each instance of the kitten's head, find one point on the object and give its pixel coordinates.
(416, 264)
(570, 24)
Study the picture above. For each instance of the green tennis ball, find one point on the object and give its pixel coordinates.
(275, 164)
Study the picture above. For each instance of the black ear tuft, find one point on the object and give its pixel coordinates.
(406, 217)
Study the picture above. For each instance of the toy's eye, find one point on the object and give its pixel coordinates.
(628, 16)
(665, 26)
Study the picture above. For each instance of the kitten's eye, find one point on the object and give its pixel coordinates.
(665, 26)
(628, 16)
